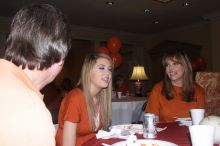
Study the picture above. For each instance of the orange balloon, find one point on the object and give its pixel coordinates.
(198, 64)
(201, 63)
(117, 59)
(103, 49)
(193, 64)
(114, 44)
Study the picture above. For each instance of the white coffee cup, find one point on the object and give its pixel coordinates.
(119, 94)
(197, 115)
(202, 135)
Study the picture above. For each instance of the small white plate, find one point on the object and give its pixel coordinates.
(184, 121)
(135, 128)
(142, 142)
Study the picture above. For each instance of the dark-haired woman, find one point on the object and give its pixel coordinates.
(174, 96)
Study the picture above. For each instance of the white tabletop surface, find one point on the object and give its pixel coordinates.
(127, 110)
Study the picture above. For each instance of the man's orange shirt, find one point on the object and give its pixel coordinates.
(169, 110)
(73, 109)
(25, 120)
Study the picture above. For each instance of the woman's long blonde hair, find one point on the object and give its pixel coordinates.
(103, 97)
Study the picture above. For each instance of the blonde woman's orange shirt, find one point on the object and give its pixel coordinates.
(73, 109)
(169, 110)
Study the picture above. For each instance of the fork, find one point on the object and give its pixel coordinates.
(161, 129)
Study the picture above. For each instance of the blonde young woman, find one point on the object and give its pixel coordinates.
(87, 108)
(174, 96)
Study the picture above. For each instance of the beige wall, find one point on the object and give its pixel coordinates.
(2, 42)
(4, 27)
(199, 34)
(205, 34)
(215, 37)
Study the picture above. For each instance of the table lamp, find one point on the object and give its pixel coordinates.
(138, 74)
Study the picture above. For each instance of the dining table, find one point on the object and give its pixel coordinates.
(173, 133)
(127, 109)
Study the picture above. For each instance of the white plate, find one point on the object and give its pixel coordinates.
(146, 142)
(136, 128)
(184, 121)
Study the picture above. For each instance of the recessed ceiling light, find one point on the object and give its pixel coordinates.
(186, 4)
(147, 11)
(110, 3)
(156, 22)
(164, 1)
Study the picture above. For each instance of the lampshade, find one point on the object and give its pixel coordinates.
(138, 73)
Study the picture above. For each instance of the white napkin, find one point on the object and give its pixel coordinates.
(102, 133)
(114, 133)
(131, 141)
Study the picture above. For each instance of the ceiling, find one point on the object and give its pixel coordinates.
(127, 15)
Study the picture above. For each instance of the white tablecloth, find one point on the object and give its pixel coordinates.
(126, 112)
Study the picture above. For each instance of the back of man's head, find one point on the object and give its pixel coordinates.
(39, 37)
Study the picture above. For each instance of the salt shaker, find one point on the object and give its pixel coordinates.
(149, 125)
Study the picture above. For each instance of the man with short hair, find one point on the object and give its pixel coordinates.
(36, 47)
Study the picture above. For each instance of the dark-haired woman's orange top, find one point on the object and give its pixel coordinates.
(169, 110)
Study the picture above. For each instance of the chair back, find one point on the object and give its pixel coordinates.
(210, 81)
(137, 116)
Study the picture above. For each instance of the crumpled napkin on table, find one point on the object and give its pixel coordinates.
(114, 133)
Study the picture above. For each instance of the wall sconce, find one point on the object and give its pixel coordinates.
(138, 74)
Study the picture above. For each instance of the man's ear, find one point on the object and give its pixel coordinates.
(61, 63)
